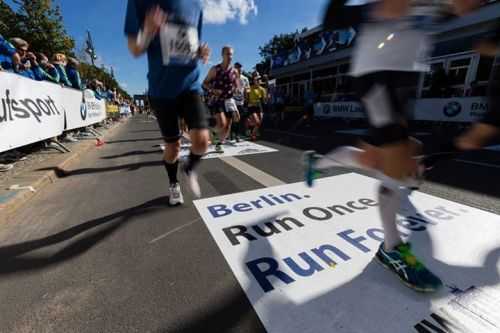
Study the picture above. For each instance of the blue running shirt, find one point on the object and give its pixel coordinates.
(173, 66)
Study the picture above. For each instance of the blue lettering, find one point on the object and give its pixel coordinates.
(305, 272)
(219, 210)
(242, 207)
(356, 242)
(262, 275)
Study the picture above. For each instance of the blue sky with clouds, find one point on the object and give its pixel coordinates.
(244, 24)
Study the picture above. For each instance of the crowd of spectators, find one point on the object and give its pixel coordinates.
(16, 57)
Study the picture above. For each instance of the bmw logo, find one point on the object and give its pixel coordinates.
(83, 111)
(452, 109)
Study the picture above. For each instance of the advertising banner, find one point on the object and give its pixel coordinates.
(30, 111)
(85, 113)
(339, 110)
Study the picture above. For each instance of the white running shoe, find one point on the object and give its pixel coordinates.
(175, 195)
(194, 185)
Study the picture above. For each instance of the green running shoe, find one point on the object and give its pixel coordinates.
(405, 265)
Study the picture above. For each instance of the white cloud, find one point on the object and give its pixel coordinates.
(221, 11)
(123, 85)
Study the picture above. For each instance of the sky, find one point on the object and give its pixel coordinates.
(243, 24)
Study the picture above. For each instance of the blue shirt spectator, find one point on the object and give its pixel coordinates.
(7, 51)
(73, 74)
(182, 73)
(44, 70)
(59, 63)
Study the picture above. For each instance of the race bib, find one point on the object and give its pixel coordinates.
(230, 105)
(178, 42)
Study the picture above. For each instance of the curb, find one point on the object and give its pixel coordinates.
(15, 202)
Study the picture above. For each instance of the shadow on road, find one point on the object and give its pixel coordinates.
(13, 259)
(133, 153)
(61, 173)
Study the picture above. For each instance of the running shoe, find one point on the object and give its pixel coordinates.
(192, 180)
(175, 197)
(218, 148)
(310, 158)
(402, 262)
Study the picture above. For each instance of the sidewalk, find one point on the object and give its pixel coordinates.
(31, 176)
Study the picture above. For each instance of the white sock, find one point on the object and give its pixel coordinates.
(346, 156)
(390, 201)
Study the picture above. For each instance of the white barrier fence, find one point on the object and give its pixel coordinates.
(32, 111)
(461, 109)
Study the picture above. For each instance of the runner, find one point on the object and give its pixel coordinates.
(390, 50)
(257, 96)
(222, 83)
(169, 31)
(241, 98)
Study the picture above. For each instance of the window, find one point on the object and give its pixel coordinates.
(484, 69)
(458, 70)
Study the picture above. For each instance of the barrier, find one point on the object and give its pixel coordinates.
(459, 110)
(462, 109)
(33, 111)
(339, 110)
(30, 111)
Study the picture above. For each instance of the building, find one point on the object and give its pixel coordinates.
(320, 61)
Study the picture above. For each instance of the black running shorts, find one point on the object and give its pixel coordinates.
(385, 104)
(169, 112)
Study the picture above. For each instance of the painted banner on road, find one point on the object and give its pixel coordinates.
(91, 111)
(305, 257)
(30, 111)
(232, 149)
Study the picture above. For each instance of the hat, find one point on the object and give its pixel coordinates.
(20, 43)
(238, 65)
(255, 75)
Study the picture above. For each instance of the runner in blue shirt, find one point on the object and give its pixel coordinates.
(170, 32)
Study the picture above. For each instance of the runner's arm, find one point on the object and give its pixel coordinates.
(208, 80)
(139, 43)
(463, 7)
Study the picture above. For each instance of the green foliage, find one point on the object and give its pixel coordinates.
(39, 23)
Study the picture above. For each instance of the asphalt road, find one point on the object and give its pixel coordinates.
(101, 251)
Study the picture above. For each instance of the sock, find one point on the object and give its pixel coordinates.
(192, 162)
(172, 171)
(346, 156)
(390, 201)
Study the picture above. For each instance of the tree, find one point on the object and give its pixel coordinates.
(9, 19)
(277, 44)
(42, 25)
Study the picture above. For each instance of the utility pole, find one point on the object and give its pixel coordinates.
(89, 49)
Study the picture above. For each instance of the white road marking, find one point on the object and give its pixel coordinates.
(258, 175)
(479, 163)
(173, 231)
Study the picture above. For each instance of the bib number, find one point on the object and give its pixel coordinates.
(230, 105)
(179, 42)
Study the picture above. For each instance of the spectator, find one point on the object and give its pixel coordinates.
(7, 52)
(59, 61)
(73, 74)
(38, 71)
(51, 73)
(20, 62)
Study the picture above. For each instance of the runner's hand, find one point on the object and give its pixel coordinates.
(204, 53)
(155, 19)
